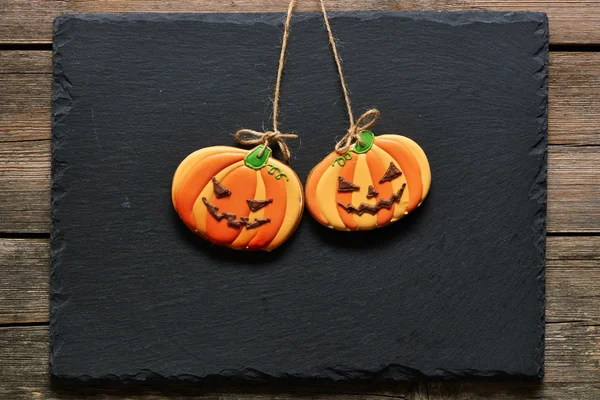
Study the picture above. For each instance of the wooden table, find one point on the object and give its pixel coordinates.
(573, 251)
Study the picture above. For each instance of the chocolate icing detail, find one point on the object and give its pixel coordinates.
(372, 192)
(256, 205)
(231, 220)
(373, 208)
(220, 190)
(391, 173)
(346, 186)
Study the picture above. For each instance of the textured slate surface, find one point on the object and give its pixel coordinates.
(454, 290)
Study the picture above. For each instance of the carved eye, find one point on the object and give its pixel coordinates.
(346, 186)
(391, 173)
(256, 205)
(220, 190)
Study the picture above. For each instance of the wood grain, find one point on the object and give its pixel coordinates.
(571, 373)
(25, 100)
(25, 95)
(25, 186)
(25, 62)
(508, 391)
(572, 284)
(574, 90)
(573, 189)
(25, 21)
(24, 285)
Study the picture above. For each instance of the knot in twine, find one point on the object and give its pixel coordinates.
(251, 137)
(352, 136)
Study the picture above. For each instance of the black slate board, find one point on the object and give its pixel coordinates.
(454, 290)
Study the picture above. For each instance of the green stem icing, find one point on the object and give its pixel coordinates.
(253, 160)
(273, 169)
(367, 138)
(341, 160)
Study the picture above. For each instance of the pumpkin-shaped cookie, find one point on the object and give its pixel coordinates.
(238, 198)
(370, 185)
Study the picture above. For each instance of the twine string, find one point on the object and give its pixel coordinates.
(352, 136)
(366, 120)
(252, 137)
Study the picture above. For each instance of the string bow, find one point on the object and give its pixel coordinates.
(251, 137)
(352, 136)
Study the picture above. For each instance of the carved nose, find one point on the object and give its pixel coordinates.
(372, 192)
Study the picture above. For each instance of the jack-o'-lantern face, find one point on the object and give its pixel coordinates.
(373, 184)
(382, 202)
(230, 202)
(239, 199)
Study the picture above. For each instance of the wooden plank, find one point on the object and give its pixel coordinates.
(572, 352)
(25, 186)
(571, 374)
(24, 355)
(507, 391)
(574, 87)
(573, 188)
(573, 248)
(572, 284)
(574, 90)
(25, 62)
(25, 21)
(25, 95)
(24, 284)
(25, 101)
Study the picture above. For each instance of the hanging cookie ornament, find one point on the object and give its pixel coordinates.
(368, 181)
(242, 199)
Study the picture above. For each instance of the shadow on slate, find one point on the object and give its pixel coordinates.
(455, 290)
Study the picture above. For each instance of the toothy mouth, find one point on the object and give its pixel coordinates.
(373, 208)
(231, 218)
